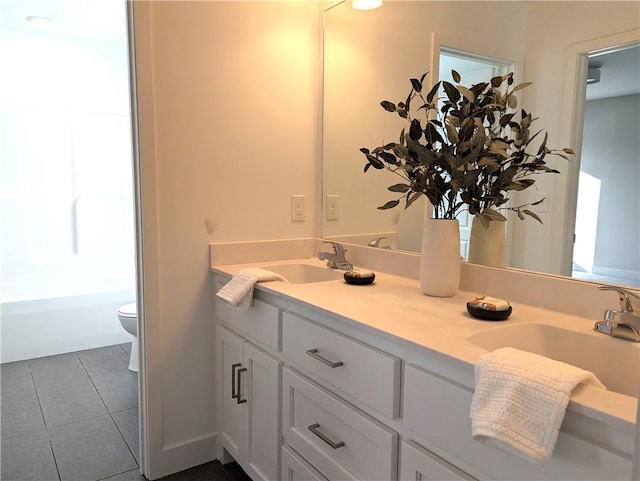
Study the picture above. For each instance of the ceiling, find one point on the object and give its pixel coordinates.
(619, 74)
(105, 21)
(86, 20)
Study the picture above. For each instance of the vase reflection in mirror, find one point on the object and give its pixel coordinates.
(440, 259)
(487, 245)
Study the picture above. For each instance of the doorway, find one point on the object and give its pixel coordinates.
(607, 227)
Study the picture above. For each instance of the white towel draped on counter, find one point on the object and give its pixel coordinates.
(520, 401)
(238, 292)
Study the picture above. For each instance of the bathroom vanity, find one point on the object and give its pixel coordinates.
(324, 380)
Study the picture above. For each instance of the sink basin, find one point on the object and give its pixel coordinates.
(615, 362)
(305, 273)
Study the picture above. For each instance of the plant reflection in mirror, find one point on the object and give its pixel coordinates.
(469, 153)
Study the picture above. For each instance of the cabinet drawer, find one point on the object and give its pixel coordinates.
(338, 440)
(259, 323)
(438, 411)
(369, 375)
(419, 463)
(294, 468)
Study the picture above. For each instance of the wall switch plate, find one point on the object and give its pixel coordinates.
(298, 208)
(332, 207)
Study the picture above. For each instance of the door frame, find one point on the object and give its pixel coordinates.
(572, 122)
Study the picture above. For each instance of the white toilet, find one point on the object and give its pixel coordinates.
(129, 320)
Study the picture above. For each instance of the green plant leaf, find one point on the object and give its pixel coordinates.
(416, 84)
(468, 94)
(532, 214)
(412, 198)
(493, 214)
(521, 86)
(389, 205)
(415, 130)
(432, 92)
(388, 106)
(402, 188)
(455, 76)
(452, 92)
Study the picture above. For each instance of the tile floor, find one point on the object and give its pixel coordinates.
(74, 417)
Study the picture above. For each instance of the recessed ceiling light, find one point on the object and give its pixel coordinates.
(39, 22)
(366, 4)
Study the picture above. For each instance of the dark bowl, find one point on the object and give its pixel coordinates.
(359, 281)
(486, 315)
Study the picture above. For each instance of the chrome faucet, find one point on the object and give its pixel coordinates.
(624, 323)
(337, 259)
(376, 243)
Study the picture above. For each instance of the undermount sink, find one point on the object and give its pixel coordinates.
(615, 362)
(305, 273)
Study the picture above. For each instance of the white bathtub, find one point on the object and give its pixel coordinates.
(47, 326)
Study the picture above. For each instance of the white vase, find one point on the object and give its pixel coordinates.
(440, 259)
(487, 244)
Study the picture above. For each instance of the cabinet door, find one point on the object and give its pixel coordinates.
(230, 358)
(418, 464)
(261, 387)
(294, 468)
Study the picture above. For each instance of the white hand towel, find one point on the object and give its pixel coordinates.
(238, 292)
(520, 401)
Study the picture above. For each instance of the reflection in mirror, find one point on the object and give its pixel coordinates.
(368, 59)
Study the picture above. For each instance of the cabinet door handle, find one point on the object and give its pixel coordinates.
(314, 429)
(239, 400)
(314, 354)
(234, 394)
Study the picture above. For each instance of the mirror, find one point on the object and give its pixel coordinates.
(369, 57)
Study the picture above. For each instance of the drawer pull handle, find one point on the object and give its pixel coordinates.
(239, 400)
(314, 354)
(314, 429)
(234, 394)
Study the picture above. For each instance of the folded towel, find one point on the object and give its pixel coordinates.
(520, 401)
(238, 292)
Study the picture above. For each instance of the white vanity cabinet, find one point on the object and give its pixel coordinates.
(306, 395)
(249, 383)
(418, 463)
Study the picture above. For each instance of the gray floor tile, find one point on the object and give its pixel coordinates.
(57, 372)
(119, 390)
(104, 360)
(91, 449)
(15, 376)
(20, 412)
(127, 422)
(133, 475)
(126, 347)
(75, 403)
(28, 458)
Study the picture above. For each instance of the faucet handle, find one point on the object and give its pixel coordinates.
(629, 301)
(338, 249)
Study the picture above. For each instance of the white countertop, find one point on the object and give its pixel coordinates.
(396, 305)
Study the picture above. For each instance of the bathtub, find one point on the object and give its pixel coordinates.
(31, 328)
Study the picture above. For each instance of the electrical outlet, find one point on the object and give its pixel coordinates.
(297, 208)
(332, 207)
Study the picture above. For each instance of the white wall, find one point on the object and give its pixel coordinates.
(229, 106)
(610, 153)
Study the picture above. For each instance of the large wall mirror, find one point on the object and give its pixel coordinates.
(370, 55)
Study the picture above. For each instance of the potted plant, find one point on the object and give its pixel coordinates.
(469, 153)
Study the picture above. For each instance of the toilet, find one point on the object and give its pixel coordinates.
(129, 320)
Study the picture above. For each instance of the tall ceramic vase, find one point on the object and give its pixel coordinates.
(487, 244)
(440, 259)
